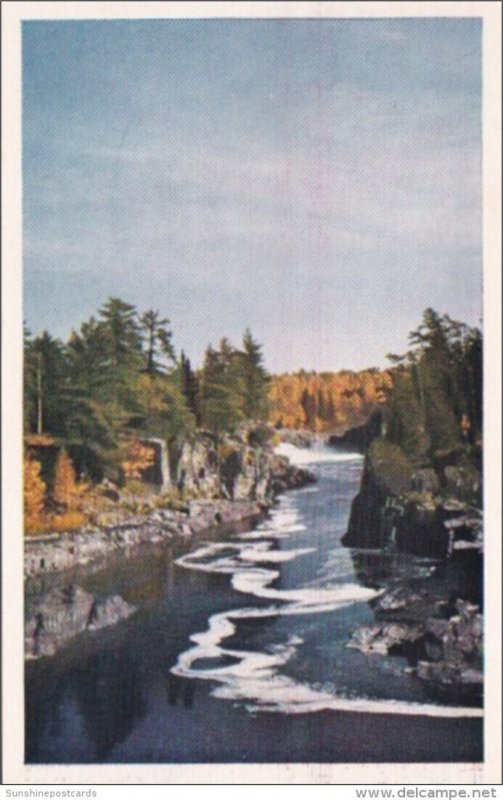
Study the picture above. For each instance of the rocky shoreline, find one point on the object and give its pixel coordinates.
(434, 620)
(66, 611)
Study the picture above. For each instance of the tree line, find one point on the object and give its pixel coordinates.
(118, 379)
(326, 402)
(435, 400)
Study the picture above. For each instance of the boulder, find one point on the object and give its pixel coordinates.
(64, 613)
(425, 481)
(389, 638)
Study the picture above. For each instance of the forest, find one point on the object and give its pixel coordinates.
(91, 402)
(327, 402)
(116, 381)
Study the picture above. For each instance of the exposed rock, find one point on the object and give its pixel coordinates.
(446, 674)
(425, 481)
(204, 514)
(288, 476)
(420, 526)
(65, 612)
(462, 481)
(447, 653)
(389, 638)
(197, 467)
(359, 438)
(57, 552)
(158, 473)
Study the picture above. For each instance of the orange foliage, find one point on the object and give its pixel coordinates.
(138, 458)
(65, 490)
(326, 401)
(39, 440)
(69, 521)
(34, 492)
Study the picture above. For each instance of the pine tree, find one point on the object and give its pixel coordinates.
(45, 377)
(121, 333)
(157, 337)
(190, 386)
(256, 380)
(222, 390)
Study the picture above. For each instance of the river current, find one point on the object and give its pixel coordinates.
(238, 652)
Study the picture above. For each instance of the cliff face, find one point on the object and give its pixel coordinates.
(233, 469)
(432, 619)
(359, 438)
(237, 468)
(417, 512)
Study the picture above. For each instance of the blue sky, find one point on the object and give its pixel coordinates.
(315, 180)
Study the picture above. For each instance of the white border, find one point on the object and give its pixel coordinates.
(14, 770)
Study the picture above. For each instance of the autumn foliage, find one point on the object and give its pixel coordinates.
(65, 495)
(326, 401)
(34, 492)
(138, 457)
(65, 489)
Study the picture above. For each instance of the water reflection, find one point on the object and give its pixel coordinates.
(110, 693)
(375, 568)
(180, 691)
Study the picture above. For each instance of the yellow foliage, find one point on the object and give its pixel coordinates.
(326, 401)
(65, 490)
(34, 492)
(69, 521)
(56, 523)
(138, 457)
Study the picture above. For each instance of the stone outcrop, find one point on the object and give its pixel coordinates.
(57, 552)
(233, 469)
(413, 520)
(434, 620)
(229, 484)
(287, 476)
(65, 612)
(360, 438)
(446, 654)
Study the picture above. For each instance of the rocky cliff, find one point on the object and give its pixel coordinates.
(432, 618)
(360, 438)
(414, 511)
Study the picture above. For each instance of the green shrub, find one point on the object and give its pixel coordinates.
(390, 466)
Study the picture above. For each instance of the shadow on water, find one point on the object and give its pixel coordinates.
(108, 692)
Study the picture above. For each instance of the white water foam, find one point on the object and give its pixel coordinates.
(313, 455)
(254, 677)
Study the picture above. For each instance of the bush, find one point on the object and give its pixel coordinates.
(69, 521)
(58, 523)
(391, 467)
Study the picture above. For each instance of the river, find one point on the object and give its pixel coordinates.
(238, 653)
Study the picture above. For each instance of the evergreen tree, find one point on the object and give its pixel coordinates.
(436, 399)
(222, 390)
(190, 386)
(308, 403)
(45, 377)
(121, 334)
(157, 338)
(256, 380)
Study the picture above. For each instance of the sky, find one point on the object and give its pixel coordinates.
(318, 181)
